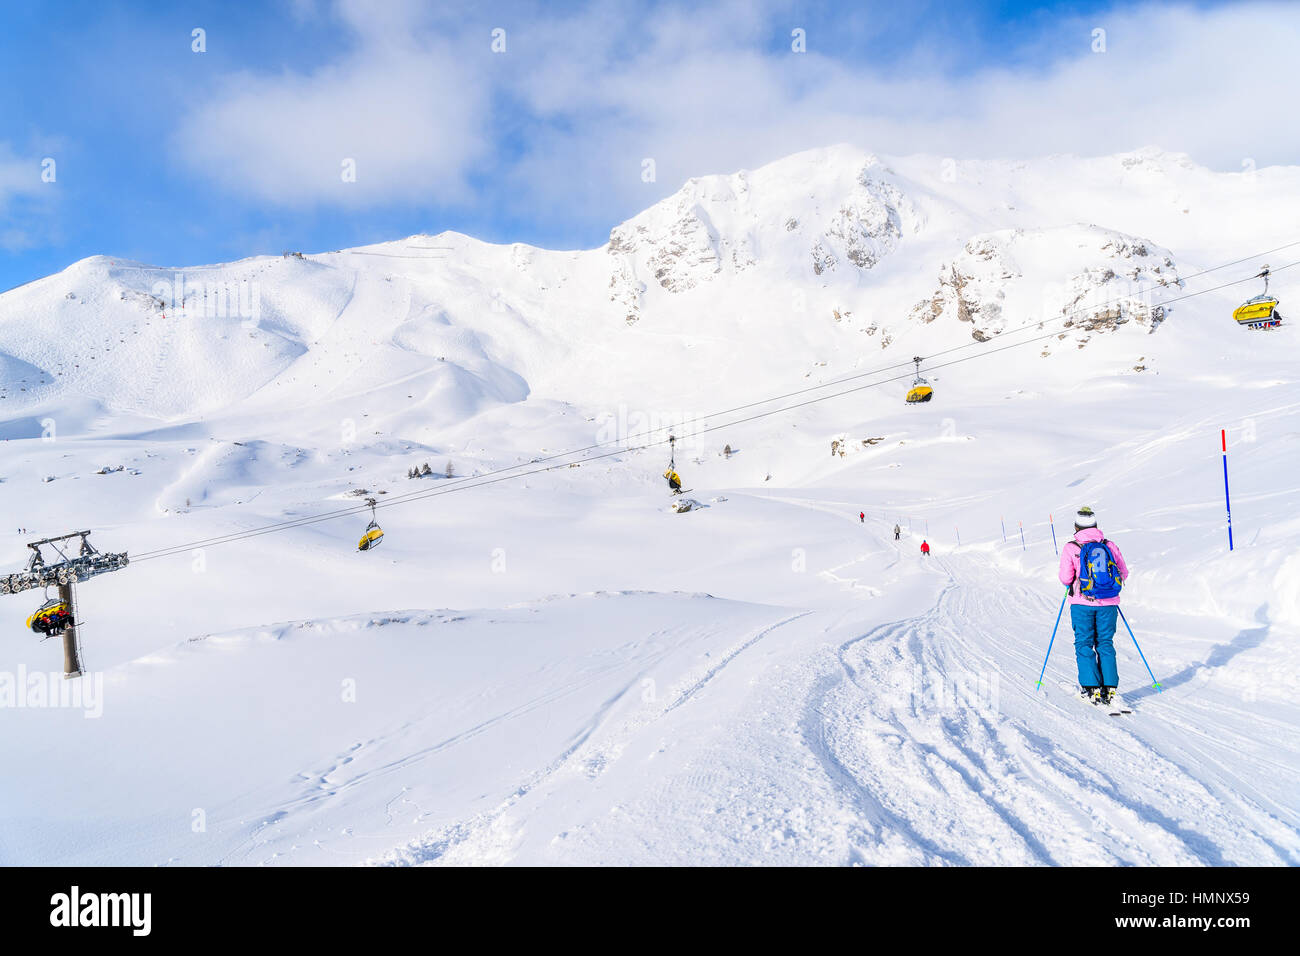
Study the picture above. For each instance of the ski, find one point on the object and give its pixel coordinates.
(1075, 692)
(1117, 705)
(1116, 708)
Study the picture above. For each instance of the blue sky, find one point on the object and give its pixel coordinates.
(175, 157)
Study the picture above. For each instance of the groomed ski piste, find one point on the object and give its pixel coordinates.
(557, 669)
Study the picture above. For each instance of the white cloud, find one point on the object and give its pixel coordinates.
(19, 175)
(1171, 76)
(399, 107)
(20, 183)
(711, 89)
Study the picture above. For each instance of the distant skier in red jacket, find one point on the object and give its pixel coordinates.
(925, 548)
(862, 517)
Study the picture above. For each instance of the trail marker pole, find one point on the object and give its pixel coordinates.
(1004, 530)
(1022, 536)
(958, 530)
(1227, 499)
(1052, 522)
(1039, 685)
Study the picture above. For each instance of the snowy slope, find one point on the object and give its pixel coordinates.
(556, 668)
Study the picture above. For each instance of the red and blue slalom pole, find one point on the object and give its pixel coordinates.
(1227, 499)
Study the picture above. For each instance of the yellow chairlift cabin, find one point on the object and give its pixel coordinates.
(50, 618)
(920, 390)
(374, 534)
(674, 479)
(1261, 311)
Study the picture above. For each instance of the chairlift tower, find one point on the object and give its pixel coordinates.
(64, 573)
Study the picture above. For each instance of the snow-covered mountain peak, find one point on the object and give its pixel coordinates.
(826, 215)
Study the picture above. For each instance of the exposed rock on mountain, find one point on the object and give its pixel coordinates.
(1110, 279)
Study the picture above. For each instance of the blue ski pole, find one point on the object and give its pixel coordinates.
(1154, 683)
(1053, 640)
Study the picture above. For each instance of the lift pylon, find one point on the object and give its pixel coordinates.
(64, 573)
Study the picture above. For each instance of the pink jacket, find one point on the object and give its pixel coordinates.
(1070, 566)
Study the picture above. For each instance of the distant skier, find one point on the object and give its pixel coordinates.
(925, 549)
(898, 532)
(862, 517)
(1094, 571)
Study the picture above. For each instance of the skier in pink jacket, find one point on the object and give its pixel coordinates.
(1093, 568)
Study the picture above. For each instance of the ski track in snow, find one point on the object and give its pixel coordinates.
(1030, 781)
(481, 836)
(1020, 777)
(331, 782)
(847, 753)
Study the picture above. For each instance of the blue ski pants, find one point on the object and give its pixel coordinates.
(1094, 644)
